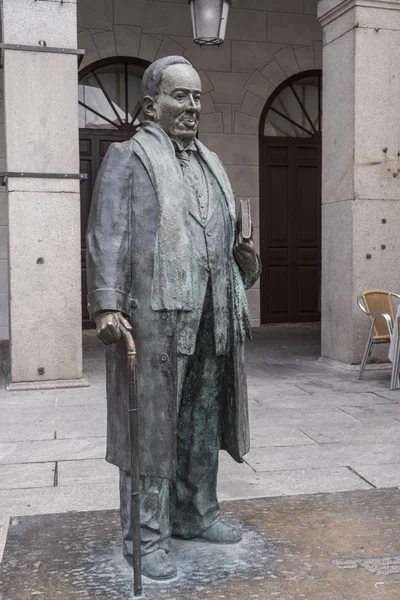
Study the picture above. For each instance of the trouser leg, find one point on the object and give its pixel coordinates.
(194, 504)
(154, 513)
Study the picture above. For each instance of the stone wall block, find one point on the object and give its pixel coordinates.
(47, 118)
(335, 28)
(3, 278)
(208, 58)
(305, 57)
(253, 299)
(207, 104)
(259, 86)
(338, 100)
(169, 48)
(4, 310)
(247, 25)
(252, 105)
(274, 74)
(381, 270)
(154, 17)
(317, 54)
(40, 306)
(206, 84)
(237, 150)
(377, 115)
(287, 61)
(337, 281)
(282, 6)
(211, 123)
(105, 44)
(127, 39)
(27, 22)
(246, 124)
(248, 56)
(228, 87)
(85, 41)
(293, 29)
(244, 180)
(3, 209)
(3, 242)
(255, 211)
(226, 112)
(149, 46)
(256, 240)
(310, 7)
(95, 14)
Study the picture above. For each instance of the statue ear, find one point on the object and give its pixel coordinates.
(149, 108)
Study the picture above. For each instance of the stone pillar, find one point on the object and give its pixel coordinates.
(361, 165)
(41, 129)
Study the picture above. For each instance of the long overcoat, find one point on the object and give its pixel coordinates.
(121, 240)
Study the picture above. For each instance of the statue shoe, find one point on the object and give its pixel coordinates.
(157, 565)
(220, 533)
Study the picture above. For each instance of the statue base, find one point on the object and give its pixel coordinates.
(318, 547)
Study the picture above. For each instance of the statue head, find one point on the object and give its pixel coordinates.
(171, 90)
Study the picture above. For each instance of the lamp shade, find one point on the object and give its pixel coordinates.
(209, 19)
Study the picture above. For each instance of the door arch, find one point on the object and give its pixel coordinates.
(290, 200)
(109, 111)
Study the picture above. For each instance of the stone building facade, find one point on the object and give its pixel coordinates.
(268, 42)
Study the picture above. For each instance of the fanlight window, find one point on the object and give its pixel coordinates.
(109, 97)
(296, 110)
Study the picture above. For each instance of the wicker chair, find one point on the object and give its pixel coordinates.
(378, 305)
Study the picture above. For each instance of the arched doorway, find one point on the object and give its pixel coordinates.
(290, 201)
(109, 111)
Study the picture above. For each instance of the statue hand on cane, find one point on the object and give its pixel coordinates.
(108, 328)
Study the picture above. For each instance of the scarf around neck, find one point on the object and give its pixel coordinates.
(172, 286)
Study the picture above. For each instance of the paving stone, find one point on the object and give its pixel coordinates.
(382, 475)
(291, 482)
(98, 496)
(320, 547)
(374, 412)
(86, 472)
(79, 428)
(34, 430)
(264, 435)
(34, 475)
(44, 451)
(363, 432)
(323, 455)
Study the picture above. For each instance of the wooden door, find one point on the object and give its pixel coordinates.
(93, 147)
(290, 221)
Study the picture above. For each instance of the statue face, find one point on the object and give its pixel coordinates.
(177, 108)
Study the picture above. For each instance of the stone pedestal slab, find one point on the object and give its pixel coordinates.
(324, 546)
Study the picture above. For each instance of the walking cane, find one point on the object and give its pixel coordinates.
(134, 432)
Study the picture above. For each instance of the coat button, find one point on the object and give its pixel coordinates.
(209, 233)
(164, 315)
(164, 357)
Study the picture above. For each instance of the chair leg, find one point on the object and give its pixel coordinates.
(367, 352)
(394, 381)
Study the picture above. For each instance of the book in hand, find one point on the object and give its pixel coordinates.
(245, 220)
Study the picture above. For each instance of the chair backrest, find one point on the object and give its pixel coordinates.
(379, 301)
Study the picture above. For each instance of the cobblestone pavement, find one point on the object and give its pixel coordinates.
(315, 429)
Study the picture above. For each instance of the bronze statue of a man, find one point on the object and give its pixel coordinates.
(165, 252)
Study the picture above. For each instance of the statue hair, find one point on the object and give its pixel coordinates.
(153, 75)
